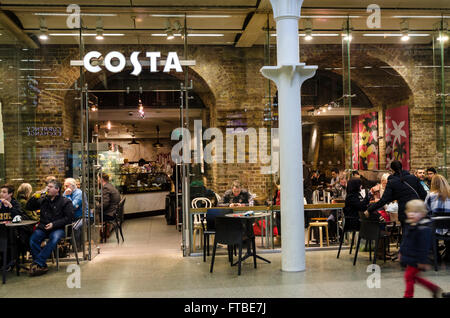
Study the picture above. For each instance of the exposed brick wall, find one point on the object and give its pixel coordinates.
(229, 82)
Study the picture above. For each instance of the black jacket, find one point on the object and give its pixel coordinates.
(396, 189)
(416, 243)
(354, 203)
(59, 211)
(7, 214)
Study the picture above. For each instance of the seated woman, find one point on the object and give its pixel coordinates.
(438, 202)
(354, 203)
(377, 192)
(23, 195)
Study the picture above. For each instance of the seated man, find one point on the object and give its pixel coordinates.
(111, 199)
(74, 194)
(237, 196)
(56, 213)
(430, 174)
(420, 173)
(9, 207)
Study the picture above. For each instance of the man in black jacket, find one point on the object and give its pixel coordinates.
(56, 213)
(402, 187)
(9, 207)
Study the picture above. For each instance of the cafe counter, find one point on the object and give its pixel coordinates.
(145, 202)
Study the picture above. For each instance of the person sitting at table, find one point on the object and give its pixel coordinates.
(354, 202)
(8, 210)
(307, 184)
(334, 177)
(318, 178)
(23, 195)
(75, 195)
(237, 196)
(377, 192)
(56, 213)
(9, 206)
(277, 201)
(110, 199)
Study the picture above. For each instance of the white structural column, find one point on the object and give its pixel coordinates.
(289, 76)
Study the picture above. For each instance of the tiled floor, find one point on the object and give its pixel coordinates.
(150, 264)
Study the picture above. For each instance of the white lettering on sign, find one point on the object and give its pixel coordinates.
(87, 61)
(172, 62)
(117, 68)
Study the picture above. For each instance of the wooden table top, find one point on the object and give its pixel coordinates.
(269, 208)
(23, 223)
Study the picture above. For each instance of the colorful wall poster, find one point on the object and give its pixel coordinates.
(397, 136)
(365, 141)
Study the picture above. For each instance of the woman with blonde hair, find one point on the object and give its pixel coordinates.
(438, 202)
(23, 195)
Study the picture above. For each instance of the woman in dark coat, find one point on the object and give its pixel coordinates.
(354, 203)
(402, 187)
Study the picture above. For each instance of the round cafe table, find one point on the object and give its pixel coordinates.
(249, 218)
(14, 237)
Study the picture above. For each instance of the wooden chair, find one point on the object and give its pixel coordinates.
(198, 224)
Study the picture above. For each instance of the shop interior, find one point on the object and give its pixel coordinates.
(128, 121)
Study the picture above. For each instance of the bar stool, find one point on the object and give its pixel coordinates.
(319, 222)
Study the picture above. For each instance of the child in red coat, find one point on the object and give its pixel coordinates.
(414, 249)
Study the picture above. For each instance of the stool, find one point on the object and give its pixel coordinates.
(319, 225)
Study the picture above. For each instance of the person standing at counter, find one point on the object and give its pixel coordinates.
(111, 198)
(237, 196)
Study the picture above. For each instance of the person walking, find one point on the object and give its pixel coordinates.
(414, 249)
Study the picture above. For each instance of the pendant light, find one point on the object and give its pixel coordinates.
(157, 144)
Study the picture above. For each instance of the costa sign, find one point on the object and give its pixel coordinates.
(172, 62)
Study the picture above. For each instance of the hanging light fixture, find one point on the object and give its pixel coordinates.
(404, 25)
(308, 30)
(43, 29)
(169, 30)
(99, 35)
(157, 144)
(108, 125)
(444, 34)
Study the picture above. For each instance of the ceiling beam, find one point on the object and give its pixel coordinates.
(13, 28)
(254, 28)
